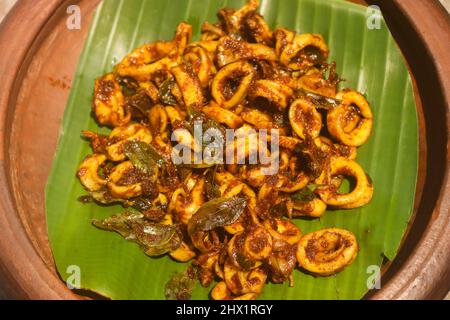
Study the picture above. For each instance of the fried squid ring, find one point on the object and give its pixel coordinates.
(341, 123)
(274, 92)
(336, 149)
(327, 251)
(207, 263)
(258, 28)
(230, 50)
(283, 230)
(202, 65)
(305, 119)
(161, 63)
(282, 261)
(257, 244)
(183, 254)
(222, 115)
(314, 81)
(144, 55)
(289, 142)
(282, 38)
(189, 85)
(361, 193)
(88, 172)
(223, 83)
(241, 282)
(132, 132)
(189, 205)
(237, 18)
(314, 208)
(108, 105)
(158, 119)
(211, 32)
(123, 191)
(221, 292)
(258, 119)
(287, 185)
(291, 55)
(205, 241)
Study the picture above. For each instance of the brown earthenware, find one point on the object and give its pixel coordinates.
(39, 56)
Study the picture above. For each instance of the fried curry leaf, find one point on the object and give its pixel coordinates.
(154, 239)
(216, 213)
(102, 197)
(180, 286)
(303, 195)
(212, 189)
(320, 101)
(165, 92)
(143, 156)
(119, 223)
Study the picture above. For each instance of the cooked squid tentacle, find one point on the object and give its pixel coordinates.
(327, 251)
(351, 128)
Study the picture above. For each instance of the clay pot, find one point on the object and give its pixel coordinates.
(39, 56)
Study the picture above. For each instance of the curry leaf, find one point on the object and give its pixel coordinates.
(303, 195)
(143, 156)
(216, 213)
(154, 239)
(180, 285)
(165, 92)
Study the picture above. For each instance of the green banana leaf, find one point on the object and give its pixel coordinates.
(369, 60)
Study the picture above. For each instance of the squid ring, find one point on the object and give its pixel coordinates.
(190, 85)
(222, 115)
(302, 41)
(133, 132)
(88, 172)
(273, 91)
(220, 89)
(289, 186)
(241, 282)
(327, 251)
(109, 101)
(258, 244)
(314, 208)
(343, 127)
(221, 292)
(119, 191)
(305, 119)
(284, 230)
(202, 64)
(359, 196)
